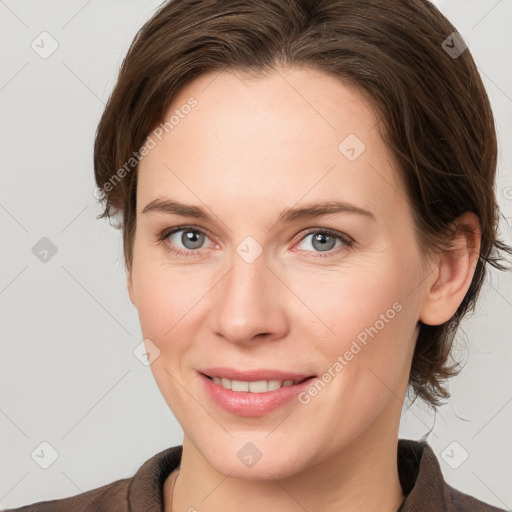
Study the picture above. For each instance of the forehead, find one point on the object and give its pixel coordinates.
(293, 134)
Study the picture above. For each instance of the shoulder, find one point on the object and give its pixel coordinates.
(424, 485)
(112, 497)
(142, 491)
(465, 503)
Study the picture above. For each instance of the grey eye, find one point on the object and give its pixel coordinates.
(323, 242)
(188, 238)
(320, 241)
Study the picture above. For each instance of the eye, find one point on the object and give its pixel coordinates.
(184, 240)
(324, 240)
(189, 240)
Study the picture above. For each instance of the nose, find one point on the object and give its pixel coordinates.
(249, 303)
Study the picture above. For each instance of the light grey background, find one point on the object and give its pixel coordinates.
(68, 373)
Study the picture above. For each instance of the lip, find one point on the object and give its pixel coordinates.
(249, 404)
(252, 375)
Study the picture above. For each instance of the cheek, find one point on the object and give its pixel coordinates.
(167, 298)
(168, 303)
(366, 360)
(349, 299)
(368, 317)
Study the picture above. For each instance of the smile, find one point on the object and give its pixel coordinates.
(252, 393)
(257, 386)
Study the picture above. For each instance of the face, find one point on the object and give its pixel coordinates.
(274, 243)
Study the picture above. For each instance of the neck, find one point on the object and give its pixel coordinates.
(363, 476)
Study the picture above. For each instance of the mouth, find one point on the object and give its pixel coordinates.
(255, 386)
(253, 393)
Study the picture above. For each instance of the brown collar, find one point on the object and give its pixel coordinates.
(418, 469)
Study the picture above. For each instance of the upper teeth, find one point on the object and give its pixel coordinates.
(258, 386)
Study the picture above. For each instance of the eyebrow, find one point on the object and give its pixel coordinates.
(309, 211)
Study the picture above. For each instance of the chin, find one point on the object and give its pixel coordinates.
(257, 456)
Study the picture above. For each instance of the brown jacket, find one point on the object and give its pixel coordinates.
(418, 468)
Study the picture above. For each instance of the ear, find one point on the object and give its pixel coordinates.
(129, 286)
(454, 272)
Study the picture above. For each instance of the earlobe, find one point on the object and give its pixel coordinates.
(454, 272)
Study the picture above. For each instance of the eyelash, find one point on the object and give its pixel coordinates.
(347, 241)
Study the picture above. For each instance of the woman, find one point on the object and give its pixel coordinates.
(306, 195)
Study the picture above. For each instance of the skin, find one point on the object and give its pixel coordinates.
(250, 149)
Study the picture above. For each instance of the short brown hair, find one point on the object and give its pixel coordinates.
(435, 113)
